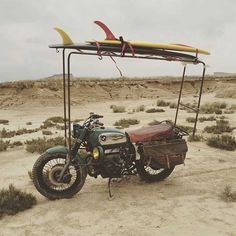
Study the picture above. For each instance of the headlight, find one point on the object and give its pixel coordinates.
(96, 153)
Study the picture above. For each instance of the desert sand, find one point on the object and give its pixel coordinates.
(186, 203)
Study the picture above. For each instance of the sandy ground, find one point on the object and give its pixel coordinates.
(186, 203)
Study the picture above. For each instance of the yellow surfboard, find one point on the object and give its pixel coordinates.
(111, 40)
(144, 44)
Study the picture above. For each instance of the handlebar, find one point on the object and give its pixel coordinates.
(96, 116)
(92, 121)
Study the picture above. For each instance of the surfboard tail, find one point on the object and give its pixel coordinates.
(109, 34)
(66, 40)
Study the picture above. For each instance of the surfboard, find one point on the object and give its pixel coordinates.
(145, 49)
(112, 40)
(169, 55)
(152, 45)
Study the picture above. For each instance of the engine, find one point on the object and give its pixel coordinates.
(110, 155)
(113, 164)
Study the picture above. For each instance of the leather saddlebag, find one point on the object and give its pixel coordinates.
(165, 153)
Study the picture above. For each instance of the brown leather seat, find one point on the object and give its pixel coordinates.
(155, 132)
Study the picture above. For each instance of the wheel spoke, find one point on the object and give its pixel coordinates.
(52, 169)
(152, 171)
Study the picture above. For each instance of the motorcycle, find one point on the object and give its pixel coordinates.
(151, 152)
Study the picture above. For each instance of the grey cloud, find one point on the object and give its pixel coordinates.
(26, 31)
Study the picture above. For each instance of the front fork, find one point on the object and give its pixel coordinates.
(69, 157)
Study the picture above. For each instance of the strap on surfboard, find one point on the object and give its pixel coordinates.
(125, 45)
(110, 55)
(116, 65)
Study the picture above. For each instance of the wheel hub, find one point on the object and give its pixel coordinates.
(54, 175)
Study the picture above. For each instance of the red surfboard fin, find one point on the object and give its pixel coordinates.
(109, 34)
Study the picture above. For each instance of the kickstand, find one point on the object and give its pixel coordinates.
(109, 189)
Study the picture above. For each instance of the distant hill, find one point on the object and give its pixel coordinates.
(224, 74)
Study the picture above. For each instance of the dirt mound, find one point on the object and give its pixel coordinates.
(226, 90)
(50, 92)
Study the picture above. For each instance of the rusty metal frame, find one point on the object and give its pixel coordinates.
(196, 110)
(66, 61)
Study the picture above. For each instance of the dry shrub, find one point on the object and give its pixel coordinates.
(140, 108)
(56, 119)
(218, 112)
(46, 132)
(221, 105)
(154, 122)
(125, 123)
(226, 142)
(221, 126)
(47, 124)
(131, 112)
(233, 107)
(190, 119)
(173, 105)
(5, 122)
(40, 145)
(195, 138)
(61, 127)
(26, 131)
(214, 129)
(222, 122)
(29, 123)
(154, 110)
(228, 111)
(118, 109)
(162, 103)
(13, 200)
(7, 134)
(228, 195)
(215, 107)
(4, 145)
(226, 93)
(222, 117)
(210, 118)
(16, 143)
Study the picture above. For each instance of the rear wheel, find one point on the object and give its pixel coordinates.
(46, 172)
(151, 173)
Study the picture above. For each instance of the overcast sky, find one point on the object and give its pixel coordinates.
(27, 30)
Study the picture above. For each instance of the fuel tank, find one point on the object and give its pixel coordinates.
(107, 137)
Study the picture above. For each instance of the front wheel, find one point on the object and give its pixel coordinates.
(149, 173)
(46, 172)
